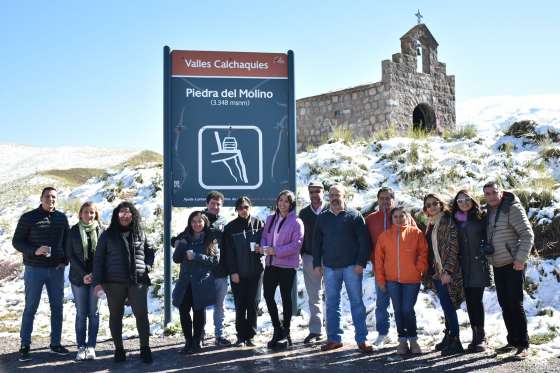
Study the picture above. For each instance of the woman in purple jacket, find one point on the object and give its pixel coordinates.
(281, 242)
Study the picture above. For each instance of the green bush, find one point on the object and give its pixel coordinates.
(343, 134)
(413, 154)
(550, 154)
(470, 131)
(385, 133)
(360, 183)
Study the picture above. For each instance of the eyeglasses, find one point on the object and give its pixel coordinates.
(243, 207)
(125, 213)
(314, 191)
(433, 204)
(464, 200)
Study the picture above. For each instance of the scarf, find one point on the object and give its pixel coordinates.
(91, 230)
(435, 220)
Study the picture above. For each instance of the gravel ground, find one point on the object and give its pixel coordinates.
(259, 359)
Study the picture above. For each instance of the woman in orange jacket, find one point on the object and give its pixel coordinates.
(401, 257)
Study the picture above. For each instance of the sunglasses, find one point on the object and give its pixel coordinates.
(464, 200)
(243, 207)
(433, 204)
(125, 213)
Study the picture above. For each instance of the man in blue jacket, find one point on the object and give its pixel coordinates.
(341, 247)
(40, 236)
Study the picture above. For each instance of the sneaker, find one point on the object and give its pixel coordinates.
(522, 353)
(505, 349)
(81, 355)
(312, 337)
(146, 355)
(221, 341)
(90, 353)
(249, 343)
(402, 348)
(239, 343)
(381, 340)
(330, 345)
(24, 354)
(120, 355)
(60, 350)
(365, 348)
(415, 347)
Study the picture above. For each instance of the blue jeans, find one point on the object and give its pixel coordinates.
(87, 315)
(448, 310)
(34, 279)
(382, 302)
(221, 291)
(334, 277)
(404, 298)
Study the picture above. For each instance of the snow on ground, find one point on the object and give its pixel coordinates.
(410, 166)
(492, 114)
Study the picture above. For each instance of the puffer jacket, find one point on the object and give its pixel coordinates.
(75, 255)
(401, 255)
(113, 262)
(197, 272)
(36, 228)
(475, 267)
(238, 235)
(288, 243)
(511, 234)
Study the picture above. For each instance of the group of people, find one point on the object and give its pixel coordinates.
(463, 250)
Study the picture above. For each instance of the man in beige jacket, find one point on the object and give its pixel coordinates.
(510, 234)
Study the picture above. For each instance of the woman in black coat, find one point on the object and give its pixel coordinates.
(195, 250)
(476, 270)
(244, 266)
(122, 261)
(80, 250)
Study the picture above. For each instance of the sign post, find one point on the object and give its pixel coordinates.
(229, 125)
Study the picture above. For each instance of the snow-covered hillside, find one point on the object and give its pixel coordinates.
(412, 166)
(22, 160)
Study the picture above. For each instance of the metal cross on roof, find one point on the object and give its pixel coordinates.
(419, 16)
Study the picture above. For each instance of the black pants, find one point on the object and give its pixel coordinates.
(509, 288)
(283, 277)
(245, 297)
(197, 322)
(475, 307)
(137, 296)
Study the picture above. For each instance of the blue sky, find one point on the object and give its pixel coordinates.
(90, 73)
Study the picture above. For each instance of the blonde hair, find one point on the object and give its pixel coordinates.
(91, 205)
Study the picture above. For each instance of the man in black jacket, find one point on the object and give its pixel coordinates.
(313, 281)
(40, 236)
(214, 201)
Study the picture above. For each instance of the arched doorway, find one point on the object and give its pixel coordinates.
(424, 118)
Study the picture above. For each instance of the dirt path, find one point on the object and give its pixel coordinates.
(299, 357)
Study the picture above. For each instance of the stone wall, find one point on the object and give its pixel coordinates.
(390, 102)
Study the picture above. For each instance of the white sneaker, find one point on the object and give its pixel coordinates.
(81, 355)
(90, 353)
(381, 340)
